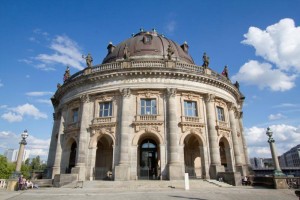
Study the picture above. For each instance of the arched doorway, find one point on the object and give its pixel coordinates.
(72, 157)
(148, 160)
(192, 156)
(225, 154)
(104, 158)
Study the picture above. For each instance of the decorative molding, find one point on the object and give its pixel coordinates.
(126, 92)
(148, 126)
(186, 126)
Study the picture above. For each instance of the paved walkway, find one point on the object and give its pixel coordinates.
(206, 193)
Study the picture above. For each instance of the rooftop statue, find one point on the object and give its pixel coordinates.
(126, 52)
(88, 59)
(170, 51)
(225, 72)
(205, 60)
(67, 74)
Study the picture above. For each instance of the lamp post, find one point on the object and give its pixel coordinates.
(22, 143)
(277, 170)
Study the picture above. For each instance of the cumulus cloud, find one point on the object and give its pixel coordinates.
(66, 52)
(285, 137)
(276, 116)
(279, 46)
(262, 75)
(16, 114)
(279, 43)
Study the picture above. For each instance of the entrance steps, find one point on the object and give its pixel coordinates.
(218, 183)
(140, 184)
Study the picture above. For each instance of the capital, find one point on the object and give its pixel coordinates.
(126, 92)
(210, 98)
(171, 92)
(85, 98)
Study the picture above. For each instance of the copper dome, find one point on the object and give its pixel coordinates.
(147, 45)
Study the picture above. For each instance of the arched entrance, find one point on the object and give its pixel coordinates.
(72, 157)
(225, 154)
(192, 156)
(148, 160)
(104, 158)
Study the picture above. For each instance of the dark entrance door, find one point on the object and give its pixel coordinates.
(148, 160)
(72, 158)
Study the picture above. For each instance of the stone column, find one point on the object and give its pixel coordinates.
(175, 168)
(56, 169)
(215, 165)
(92, 158)
(204, 162)
(235, 141)
(134, 156)
(163, 162)
(53, 143)
(247, 160)
(122, 172)
(80, 167)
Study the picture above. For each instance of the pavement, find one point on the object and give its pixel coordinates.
(211, 192)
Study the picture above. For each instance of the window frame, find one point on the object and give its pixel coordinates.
(102, 109)
(153, 108)
(221, 114)
(190, 111)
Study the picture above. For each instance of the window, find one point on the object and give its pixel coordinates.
(75, 115)
(190, 108)
(105, 109)
(148, 106)
(221, 116)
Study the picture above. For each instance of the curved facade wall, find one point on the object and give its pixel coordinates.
(147, 119)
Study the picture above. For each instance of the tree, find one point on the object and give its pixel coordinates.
(6, 168)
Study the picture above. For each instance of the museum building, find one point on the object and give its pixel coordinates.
(147, 112)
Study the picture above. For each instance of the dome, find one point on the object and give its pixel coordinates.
(148, 45)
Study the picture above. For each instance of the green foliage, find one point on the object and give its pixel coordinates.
(6, 168)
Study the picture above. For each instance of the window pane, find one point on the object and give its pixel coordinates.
(148, 106)
(190, 108)
(105, 109)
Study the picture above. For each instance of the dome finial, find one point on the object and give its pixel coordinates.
(141, 29)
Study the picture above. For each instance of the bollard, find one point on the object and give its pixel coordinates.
(297, 192)
(186, 181)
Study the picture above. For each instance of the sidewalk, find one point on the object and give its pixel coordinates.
(206, 193)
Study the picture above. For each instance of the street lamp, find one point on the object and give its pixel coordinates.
(22, 143)
(277, 170)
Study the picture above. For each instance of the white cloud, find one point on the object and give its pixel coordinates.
(66, 52)
(171, 26)
(263, 76)
(279, 44)
(1, 84)
(12, 117)
(38, 94)
(285, 137)
(276, 116)
(45, 101)
(287, 105)
(16, 114)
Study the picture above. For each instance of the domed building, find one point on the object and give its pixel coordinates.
(147, 112)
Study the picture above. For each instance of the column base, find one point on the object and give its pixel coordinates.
(55, 170)
(122, 173)
(214, 169)
(80, 170)
(280, 183)
(176, 172)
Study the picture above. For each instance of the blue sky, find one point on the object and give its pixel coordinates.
(259, 40)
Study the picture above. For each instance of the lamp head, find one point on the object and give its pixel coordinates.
(269, 132)
(24, 135)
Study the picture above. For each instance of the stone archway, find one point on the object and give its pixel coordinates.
(225, 154)
(104, 158)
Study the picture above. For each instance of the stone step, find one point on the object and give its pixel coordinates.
(140, 184)
(218, 183)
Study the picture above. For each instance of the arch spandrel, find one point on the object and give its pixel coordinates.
(198, 135)
(94, 139)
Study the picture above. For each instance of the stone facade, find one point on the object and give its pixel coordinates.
(146, 116)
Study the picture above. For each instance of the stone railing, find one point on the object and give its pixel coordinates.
(223, 124)
(146, 117)
(73, 125)
(190, 119)
(151, 64)
(102, 120)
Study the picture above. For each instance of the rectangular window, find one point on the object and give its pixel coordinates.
(190, 108)
(148, 107)
(221, 116)
(105, 109)
(75, 115)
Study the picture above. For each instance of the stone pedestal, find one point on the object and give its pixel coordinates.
(175, 172)
(12, 184)
(80, 170)
(122, 173)
(280, 183)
